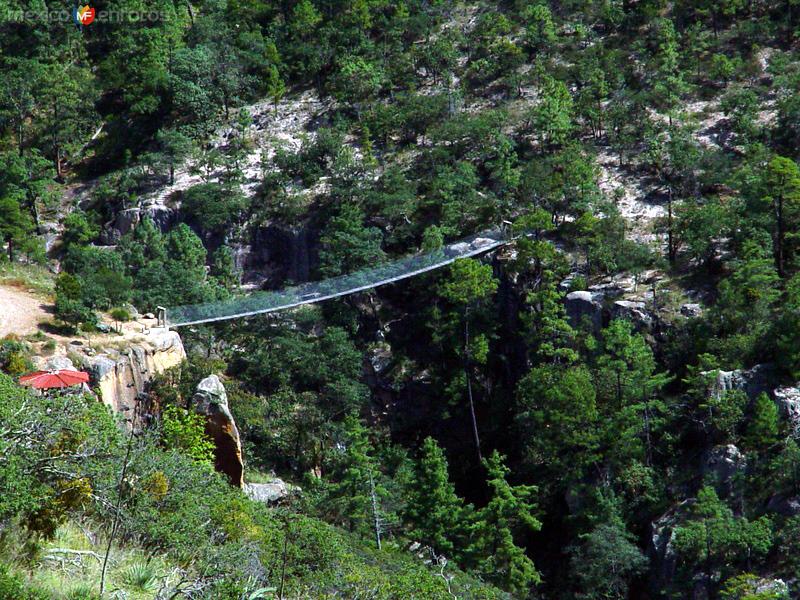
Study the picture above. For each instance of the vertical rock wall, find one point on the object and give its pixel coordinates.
(123, 372)
(211, 401)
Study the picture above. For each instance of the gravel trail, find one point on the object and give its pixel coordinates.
(20, 312)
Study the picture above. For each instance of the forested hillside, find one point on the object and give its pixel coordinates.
(606, 408)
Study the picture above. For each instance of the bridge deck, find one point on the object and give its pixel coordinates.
(309, 293)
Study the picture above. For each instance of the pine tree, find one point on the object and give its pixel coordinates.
(436, 513)
(552, 116)
(550, 331)
(16, 225)
(276, 88)
(718, 542)
(627, 382)
(668, 85)
(558, 421)
(469, 284)
(357, 492)
(174, 147)
(763, 429)
(605, 562)
(510, 511)
(783, 185)
(347, 244)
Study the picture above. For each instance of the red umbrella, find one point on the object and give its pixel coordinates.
(45, 380)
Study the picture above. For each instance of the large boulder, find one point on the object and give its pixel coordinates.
(760, 379)
(272, 492)
(585, 305)
(122, 374)
(721, 465)
(787, 506)
(99, 367)
(661, 548)
(458, 249)
(58, 363)
(752, 381)
(163, 217)
(691, 310)
(279, 252)
(211, 400)
(635, 312)
(380, 358)
(787, 400)
(771, 588)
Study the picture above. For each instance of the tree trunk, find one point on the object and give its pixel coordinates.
(375, 513)
(285, 557)
(648, 442)
(780, 236)
(469, 387)
(115, 522)
(56, 148)
(671, 250)
(599, 118)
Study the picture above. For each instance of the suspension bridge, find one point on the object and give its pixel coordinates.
(258, 303)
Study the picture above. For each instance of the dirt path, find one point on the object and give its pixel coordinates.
(20, 312)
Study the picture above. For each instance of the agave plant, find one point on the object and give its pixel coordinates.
(140, 576)
(82, 591)
(261, 593)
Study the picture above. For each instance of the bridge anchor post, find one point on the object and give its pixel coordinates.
(506, 229)
(161, 314)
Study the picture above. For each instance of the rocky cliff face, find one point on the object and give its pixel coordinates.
(163, 217)
(211, 401)
(122, 373)
(758, 379)
(276, 252)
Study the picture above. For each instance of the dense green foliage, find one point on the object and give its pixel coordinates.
(547, 445)
(61, 458)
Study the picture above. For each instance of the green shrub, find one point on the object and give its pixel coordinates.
(17, 364)
(14, 357)
(12, 587)
(578, 283)
(185, 431)
(73, 312)
(177, 507)
(120, 314)
(212, 206)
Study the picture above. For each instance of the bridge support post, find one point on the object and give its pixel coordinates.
(506, 229)
(161, 313)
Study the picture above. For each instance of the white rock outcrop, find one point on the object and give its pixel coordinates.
(123, 372)
(787, 400)
(269, 493)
